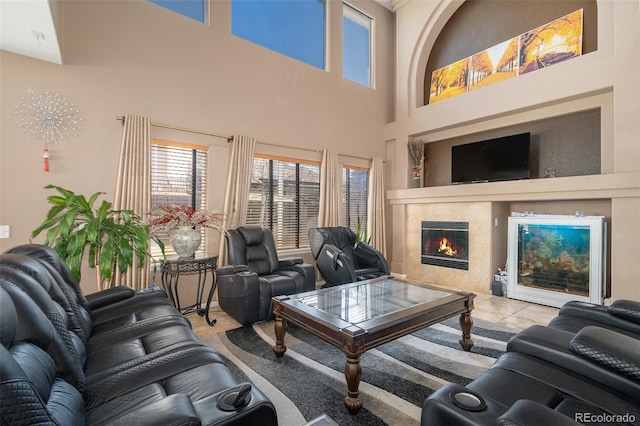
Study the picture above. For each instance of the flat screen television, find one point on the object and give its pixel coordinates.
(505, 158)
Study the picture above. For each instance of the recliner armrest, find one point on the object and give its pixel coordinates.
(171, 410)
(231, 269)
(307, 271)
(612, 350)
(290, 261)
(109, 296)
(527, 412)
(368, 255)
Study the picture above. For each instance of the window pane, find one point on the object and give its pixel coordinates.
(284, 197)
(356, 46)
(295, 28)
(194, 9)
(355, 189)
(178, 177)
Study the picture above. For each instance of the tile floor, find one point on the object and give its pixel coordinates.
(508, 312)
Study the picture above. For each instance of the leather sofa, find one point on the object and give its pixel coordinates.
(255, 275)
(114, 357)
(341, 259)
(579, 369)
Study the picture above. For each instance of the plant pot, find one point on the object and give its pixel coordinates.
(185, 241)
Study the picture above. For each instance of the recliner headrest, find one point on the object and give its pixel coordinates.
(45, 254)
(252, 235)
(340, 236)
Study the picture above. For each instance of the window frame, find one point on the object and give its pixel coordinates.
(264, 42)
(272, 221)
(358, 13)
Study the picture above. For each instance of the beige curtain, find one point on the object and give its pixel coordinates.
(330, 209)
(236, 198)
(133, 187)
(375, 210)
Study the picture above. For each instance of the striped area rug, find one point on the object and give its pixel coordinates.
(396, 377)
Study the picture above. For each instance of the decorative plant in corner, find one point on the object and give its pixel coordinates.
(361, 229)
(112, 236)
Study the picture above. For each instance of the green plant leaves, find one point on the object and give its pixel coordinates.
(112, 236)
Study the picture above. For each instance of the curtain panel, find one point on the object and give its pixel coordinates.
(376, 218)
(330, 207)
(236, 199)
(133, 185)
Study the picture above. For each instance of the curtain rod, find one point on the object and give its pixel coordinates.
(229, 138)
(183, 129)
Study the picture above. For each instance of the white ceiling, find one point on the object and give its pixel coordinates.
(28, 28)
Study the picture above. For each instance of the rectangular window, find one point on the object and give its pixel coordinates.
(295, 28)
(194, 9)
(355, 190)
(178, 177)
(284, 197)
(356, 45)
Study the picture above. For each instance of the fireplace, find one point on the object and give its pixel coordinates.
(445, 244)
(553, 259)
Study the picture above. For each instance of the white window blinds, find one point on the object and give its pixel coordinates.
(284, 197)
(178, 177)
(355, 190)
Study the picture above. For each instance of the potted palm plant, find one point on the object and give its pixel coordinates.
(114, 238)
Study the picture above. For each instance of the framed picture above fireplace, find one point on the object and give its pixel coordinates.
(553, 259)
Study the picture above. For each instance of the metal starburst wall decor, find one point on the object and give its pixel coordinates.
(49, 117)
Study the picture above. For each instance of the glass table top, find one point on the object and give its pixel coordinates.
(370, 300)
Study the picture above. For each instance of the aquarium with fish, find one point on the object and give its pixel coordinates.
(556, 258)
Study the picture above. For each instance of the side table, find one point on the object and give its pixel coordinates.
(201, 264)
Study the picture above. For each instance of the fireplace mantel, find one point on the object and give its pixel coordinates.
(487, 205)
(607, 186)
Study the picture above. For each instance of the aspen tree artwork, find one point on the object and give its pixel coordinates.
(546, 45)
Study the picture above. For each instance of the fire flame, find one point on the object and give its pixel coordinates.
(446, 248)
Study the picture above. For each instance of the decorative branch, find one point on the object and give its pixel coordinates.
(416, 151)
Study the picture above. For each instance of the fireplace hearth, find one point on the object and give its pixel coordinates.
(445, 244)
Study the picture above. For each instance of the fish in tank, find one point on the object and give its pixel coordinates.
(554, 257)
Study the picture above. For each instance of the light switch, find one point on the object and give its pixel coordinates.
(5, 231)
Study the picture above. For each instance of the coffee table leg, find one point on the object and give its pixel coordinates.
(353, 372)
(280, 329)
(465, 323)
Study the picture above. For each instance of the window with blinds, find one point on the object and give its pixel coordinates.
(284, 197)
(178, 177)
(355, 190)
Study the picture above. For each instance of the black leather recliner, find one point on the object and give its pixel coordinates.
(118, 357)
(340, 260)
(569, 372)
(255, 275)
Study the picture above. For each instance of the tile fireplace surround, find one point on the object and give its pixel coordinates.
(487, 206)
(479, 217)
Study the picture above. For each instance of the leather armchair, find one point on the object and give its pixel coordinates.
(255, 275)
(340, 260)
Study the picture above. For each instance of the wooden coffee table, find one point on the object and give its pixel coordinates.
(359, 316)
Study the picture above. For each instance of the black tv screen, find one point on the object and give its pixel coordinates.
(505, 158)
